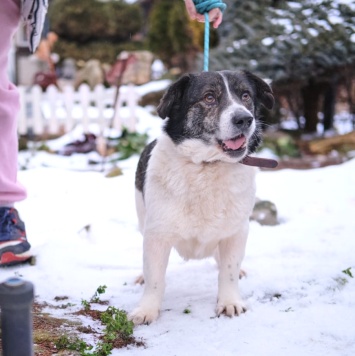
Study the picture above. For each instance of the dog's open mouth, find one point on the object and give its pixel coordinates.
(235, 144)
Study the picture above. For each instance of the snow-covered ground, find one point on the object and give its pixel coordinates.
(300, 302)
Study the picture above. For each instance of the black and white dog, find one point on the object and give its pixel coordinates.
(193, 193)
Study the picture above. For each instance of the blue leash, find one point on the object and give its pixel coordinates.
(203, 7)
(206, 47)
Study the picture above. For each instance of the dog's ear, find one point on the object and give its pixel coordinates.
(172, 96)
(263, 90)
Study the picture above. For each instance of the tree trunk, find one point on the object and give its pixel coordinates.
(294, 101)
(311, 95)
(329, 106)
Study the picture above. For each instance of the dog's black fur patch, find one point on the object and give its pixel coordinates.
(142, 166)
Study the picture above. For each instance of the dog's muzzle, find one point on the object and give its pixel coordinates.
(237, 143)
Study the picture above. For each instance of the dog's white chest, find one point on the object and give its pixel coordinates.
(197, 205)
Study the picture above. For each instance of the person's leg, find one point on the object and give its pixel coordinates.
(10, 190)
(13, 243)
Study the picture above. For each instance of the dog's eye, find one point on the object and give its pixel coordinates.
(246, 96)
(209, 99)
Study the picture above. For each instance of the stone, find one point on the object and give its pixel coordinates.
(265, 213)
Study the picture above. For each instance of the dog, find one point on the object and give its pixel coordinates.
(193, 193)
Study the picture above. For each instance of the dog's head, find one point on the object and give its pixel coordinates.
(212, 116)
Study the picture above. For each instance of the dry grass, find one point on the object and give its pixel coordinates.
(48, 329)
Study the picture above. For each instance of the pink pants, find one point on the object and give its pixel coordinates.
(10, 190)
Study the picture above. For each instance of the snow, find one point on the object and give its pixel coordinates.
(313, 19)
(267, 41)
(313, 32)
(300, 302)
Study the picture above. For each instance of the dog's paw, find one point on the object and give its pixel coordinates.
(231, 309)
(143, 315)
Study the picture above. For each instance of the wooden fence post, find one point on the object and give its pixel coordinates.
(68, 99)
(22, 117)
(37, 119)
(52, 97)
(84, 99)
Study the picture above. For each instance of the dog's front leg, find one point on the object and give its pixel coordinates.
(231, 253)
(156, 253)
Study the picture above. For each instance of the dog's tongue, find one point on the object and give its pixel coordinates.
(235, 144)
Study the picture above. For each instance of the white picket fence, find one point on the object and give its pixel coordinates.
(57, 111)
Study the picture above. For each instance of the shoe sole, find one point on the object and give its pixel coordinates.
(10, 259)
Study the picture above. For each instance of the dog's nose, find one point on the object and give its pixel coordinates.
(242, 121)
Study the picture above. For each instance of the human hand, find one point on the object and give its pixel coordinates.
(215, 15)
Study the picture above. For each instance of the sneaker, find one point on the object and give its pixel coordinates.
(14, 247)
(85, 145)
